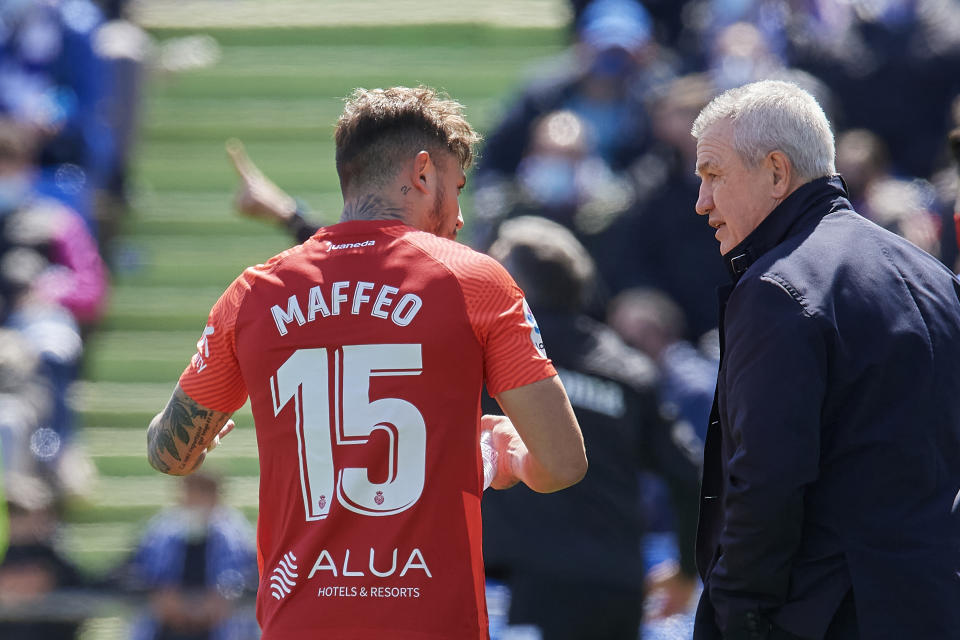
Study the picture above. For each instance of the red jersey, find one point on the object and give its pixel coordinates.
(364, 352)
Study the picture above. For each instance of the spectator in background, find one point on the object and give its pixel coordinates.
(52, 80)
(667, 17)
(195, 560)
(656, 243)
(743, 52)
(863, 160)
(26, 402)
(906, 206)
(52, 285)
(892, 67)
(561, 178)
(572, 560)
(648, 320)
(615, 63)
(34, 568)
(125, 50)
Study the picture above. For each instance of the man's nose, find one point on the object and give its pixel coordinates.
(704, 201)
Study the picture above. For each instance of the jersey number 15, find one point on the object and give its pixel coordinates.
(330, 389)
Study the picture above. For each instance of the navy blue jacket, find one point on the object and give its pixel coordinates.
(832, 458)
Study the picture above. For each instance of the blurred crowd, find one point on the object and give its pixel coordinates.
(585, 189)
(70, 77)
(69, 80)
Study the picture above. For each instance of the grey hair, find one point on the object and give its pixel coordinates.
(772, 115)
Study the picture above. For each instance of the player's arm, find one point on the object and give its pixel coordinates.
(180, 436)
(543, 447)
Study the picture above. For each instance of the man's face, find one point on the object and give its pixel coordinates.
(446, 216)
(734, 197)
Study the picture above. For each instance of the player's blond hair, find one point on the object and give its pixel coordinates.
(380, 128)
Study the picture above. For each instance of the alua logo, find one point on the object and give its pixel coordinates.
(284, 576)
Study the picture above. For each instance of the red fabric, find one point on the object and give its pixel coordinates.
(368, 426)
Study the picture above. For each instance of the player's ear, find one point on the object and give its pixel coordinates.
(423, 172)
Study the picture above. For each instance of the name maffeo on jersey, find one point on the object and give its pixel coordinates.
(346, 297)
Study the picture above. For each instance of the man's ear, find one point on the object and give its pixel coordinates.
(423, 172)
(781, 173)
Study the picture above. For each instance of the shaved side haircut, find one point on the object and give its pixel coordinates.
(380, 128)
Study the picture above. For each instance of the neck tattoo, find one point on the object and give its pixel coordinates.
(370, 207)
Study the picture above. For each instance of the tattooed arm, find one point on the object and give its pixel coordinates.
(179, 437)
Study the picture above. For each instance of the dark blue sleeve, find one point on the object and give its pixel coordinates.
(774, 375)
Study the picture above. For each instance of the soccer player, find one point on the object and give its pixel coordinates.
(363, 352)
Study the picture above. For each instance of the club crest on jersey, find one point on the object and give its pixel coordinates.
(284, 576)
(535, 336)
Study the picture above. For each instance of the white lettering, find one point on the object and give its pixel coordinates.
(342, 295)
(406, 309)
(595, 394)
(359, 297)
(284, 318)
(383, 300)
(205, 341)
(317, 303)
(346, 561)
(319, 565)
(352, 245)
(325, 562)
(420, 565)
(393, 567)
(336, 297)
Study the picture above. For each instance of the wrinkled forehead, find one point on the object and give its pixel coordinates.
(715, 146)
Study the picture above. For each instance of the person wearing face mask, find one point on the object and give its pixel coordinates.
(604, 82)
(195, 561)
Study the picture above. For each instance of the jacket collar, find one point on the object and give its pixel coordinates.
(801, 207)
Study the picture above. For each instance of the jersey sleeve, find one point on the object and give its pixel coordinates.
(513, 350)
(213, 378)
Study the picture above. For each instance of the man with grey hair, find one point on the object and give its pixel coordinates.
(832, 460)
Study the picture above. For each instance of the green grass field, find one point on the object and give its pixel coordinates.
(278, 90)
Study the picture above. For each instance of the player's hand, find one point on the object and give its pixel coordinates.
(257, 196)
(668, 590)
(227, 428)
(509, 447)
